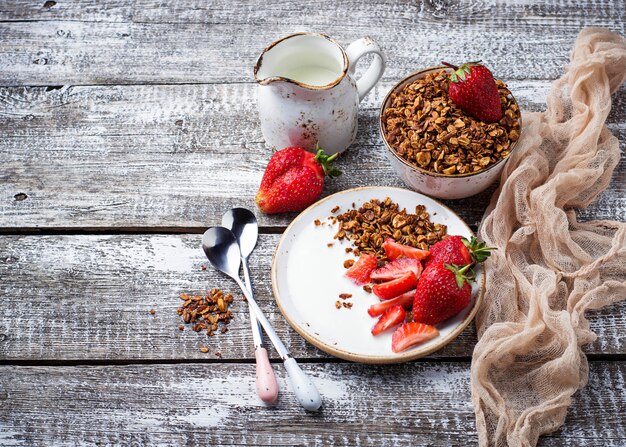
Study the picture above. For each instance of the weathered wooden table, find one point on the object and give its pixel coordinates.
(128, 128)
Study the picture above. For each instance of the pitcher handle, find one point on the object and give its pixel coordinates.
(358, 49)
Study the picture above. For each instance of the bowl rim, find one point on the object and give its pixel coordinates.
(407, 79)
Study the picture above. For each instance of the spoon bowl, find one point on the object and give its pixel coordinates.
(242, 222)
(220, 246)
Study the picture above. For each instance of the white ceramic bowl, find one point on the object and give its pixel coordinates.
(443, 186)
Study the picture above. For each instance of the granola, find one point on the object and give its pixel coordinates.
(425, 128)
(368, 227)
(205, 312)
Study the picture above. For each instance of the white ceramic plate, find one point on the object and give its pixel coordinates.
(308, 276)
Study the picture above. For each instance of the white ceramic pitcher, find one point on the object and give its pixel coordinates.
(307, 93)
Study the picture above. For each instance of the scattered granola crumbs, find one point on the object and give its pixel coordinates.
(345, 296)
(335, 209)
(330, 244)
(338, 304)
(203, 267)
(348, 263)
(367, 288)
(349, 249)
(152, 311)
(204, 349)
(317, 222)
(181, 327)
(206, 312)
(376, 220)
(218, 354)
(347, 305)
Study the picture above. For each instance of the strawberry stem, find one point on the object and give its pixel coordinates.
(460, 72)
(447, 64)
(325, 161)
(478, 250)
(459, 273)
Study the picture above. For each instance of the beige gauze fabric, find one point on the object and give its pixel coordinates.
(548, 268)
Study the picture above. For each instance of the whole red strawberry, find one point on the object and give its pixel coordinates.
(442, 292)
(458, 251)
(293, 180)
(473, 88)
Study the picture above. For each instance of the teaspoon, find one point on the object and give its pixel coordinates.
(243, 224)
(220, 246)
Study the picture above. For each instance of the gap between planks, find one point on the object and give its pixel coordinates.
(103, 231)
(244, 361)
(213, 360)
(158, 84)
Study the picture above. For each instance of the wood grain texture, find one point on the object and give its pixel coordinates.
(216, 405)
(209, 42)
(79, 151)
(178, 156)
(88, 298)
(474, 12)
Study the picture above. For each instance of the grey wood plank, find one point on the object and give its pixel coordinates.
(276, 12)
(417, 404)
(177, 156)
(88, 297)
(202, 42)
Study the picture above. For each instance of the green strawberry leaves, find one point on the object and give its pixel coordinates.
(325, 161)
(478, 250)
(461, 72)
(460, 273)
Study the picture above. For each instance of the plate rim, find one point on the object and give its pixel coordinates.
(373, 359)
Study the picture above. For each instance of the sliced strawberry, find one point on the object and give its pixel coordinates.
(393, 316)
(392, 289)
(411, 334)
(397, 268)
(362, 268)
(405, 300)
(394, 250)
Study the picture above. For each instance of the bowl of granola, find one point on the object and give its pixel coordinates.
(437, 148)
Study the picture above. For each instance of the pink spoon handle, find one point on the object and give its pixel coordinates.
(266, 385)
